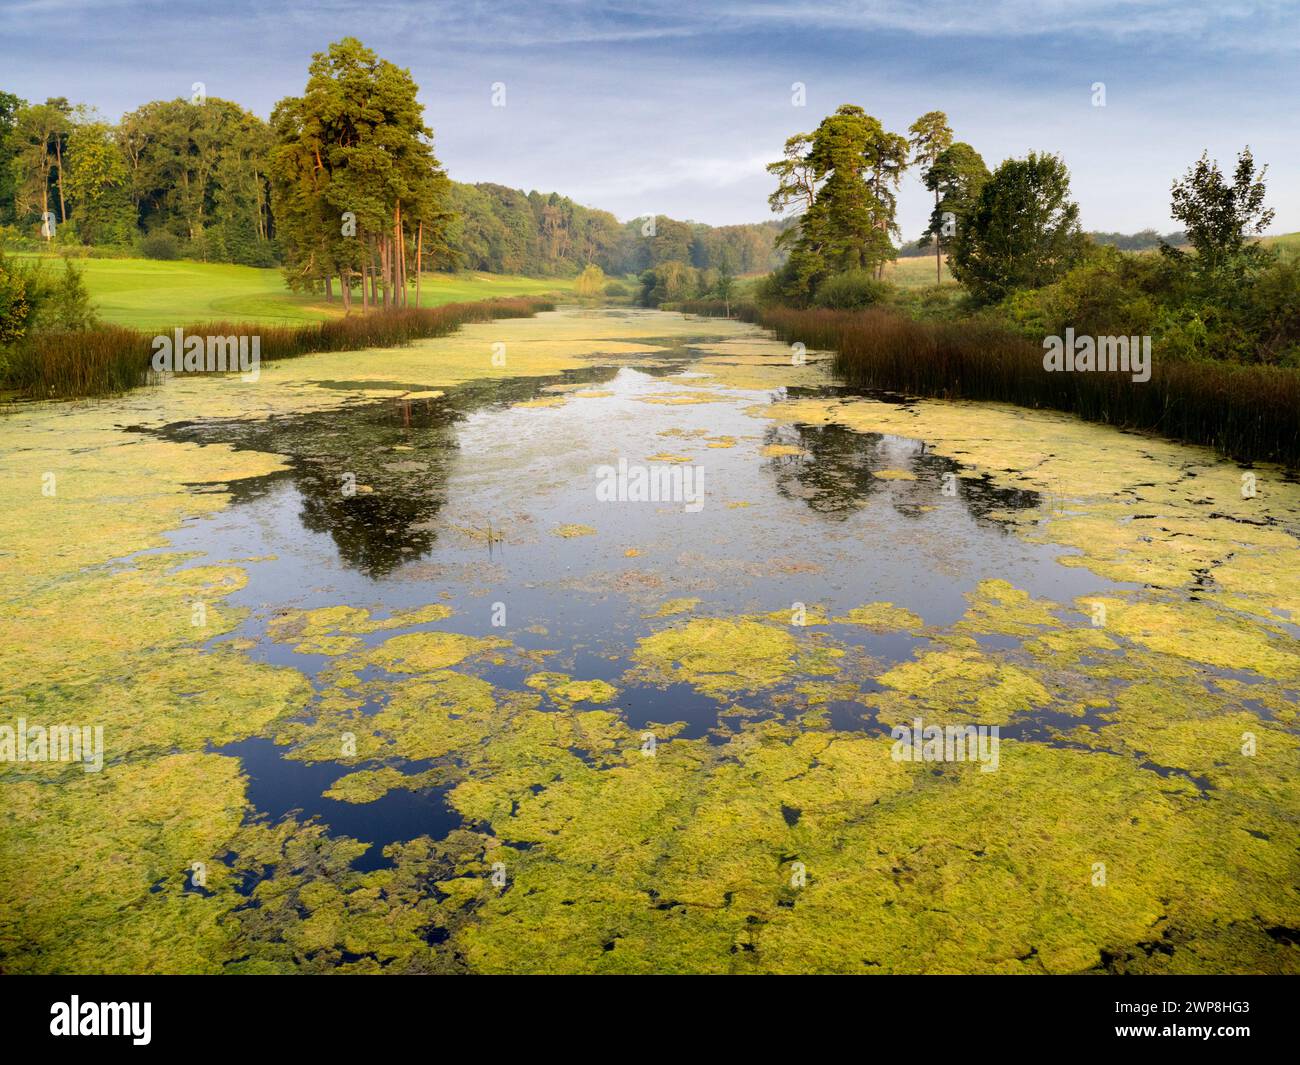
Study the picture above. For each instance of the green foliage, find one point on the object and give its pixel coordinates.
(65, 302)
(98, 187)
(843, 175)
(956, 177)
(15, 306)
(670, 282)
(199, 171)
(160, 244)
(591, 282)
(506, 230)
(1108, 294)
(1023, 231)
(355, 180)
(1220, 216)
(851, 290)
(9, 107)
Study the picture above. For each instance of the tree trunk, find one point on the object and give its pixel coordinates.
(329, 288)
(345, 291)
(58, 153)
(399, 257)
(365, 277)
(419, 261)
(385, 266)
(938, 263)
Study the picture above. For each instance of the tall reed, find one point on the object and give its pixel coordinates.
(1251, 413)
(110, 359)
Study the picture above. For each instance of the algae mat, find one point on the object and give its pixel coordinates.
(396, 670)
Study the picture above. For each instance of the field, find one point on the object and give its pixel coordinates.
(916, 272)
(147, 293)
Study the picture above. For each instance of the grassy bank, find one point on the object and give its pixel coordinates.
(114, 358)
(152, 294)
(1251, 413)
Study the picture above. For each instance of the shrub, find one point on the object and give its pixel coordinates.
(591, 282)
(160, 245)
(852, 290)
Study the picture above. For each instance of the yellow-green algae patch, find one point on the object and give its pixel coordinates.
(367, 785)
(997, 606)
(684, 862)
(957, 684)
(573, 530)
(722, 656)
(311, 625)
(1214, 637)
(669, 607)
(565, 692)
(781, 450)
(422, 652)
(882, 617)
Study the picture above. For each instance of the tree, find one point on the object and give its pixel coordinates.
(1220, 217)
(37, 144)
(726, 282)
(931, 137)
(356, 183)
(591, 282)
(1023, 231)
(852, 165)
(10, 105)
(796, 187)
(956, 177)
(200, 172)
(97, 184)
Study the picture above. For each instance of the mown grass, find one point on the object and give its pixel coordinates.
(151, 294)
(113, 358)
(1251, 413)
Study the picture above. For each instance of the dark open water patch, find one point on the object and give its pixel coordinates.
(278, 786)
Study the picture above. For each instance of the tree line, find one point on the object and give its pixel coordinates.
(1013, 241)
(341, 187)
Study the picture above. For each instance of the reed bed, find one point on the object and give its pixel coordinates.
(1250, 413)
(113, 359)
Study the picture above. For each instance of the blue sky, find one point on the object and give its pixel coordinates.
(674, 108)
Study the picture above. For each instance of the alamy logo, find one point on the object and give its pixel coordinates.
(656, 483)
(102, 1018)
(179, 353)
(58, 743)
(1102, 354)
(947, 743)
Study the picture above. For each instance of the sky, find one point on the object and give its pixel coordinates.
(674, 108)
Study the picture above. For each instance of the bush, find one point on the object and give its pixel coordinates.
(590, 282)
(160, 245)
(853, 290)
(616, 288)
(1109, 294)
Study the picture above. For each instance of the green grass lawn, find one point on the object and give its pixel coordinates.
(150, 294)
